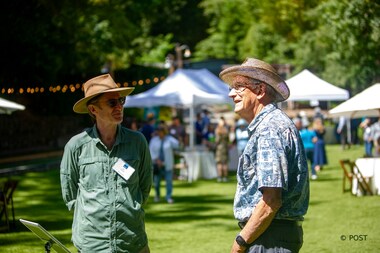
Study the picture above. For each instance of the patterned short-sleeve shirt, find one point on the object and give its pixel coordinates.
(273, 157)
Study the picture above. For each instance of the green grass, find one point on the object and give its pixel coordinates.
(201, 219)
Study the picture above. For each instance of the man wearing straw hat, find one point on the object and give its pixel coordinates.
(106, 174)
(272, 193)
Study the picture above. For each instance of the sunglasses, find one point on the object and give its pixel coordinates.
(114, 102)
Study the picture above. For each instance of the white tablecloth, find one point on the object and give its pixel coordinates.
(369, 167)
(200, 164)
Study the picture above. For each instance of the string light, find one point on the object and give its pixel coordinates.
(74, 87)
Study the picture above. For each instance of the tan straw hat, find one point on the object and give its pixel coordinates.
(96, 86)
(261, 71)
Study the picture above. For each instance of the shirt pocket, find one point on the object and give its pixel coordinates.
(93, 173)
(246, 170)
(134, 178)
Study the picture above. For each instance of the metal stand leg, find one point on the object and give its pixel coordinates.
(47, 247)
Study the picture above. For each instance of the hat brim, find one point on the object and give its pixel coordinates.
(264, 75)
(81, 105)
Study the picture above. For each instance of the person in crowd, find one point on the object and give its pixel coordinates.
(318, 113)
(206, 121)
(241, 135)
(178, 131)
(305, 120)
(221, 150)
(342, 132)
(132, 124)
(149, 127)
(106, 174)
(199, 130)
(162, 148)
(209, 138)
(375, 133)
(367, 138)
(354, 127)
(320, 158)
(308, 137)
(272, 193)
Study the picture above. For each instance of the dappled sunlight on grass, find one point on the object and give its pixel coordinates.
(201, 218)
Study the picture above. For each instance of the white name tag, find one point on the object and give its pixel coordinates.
(123, 169)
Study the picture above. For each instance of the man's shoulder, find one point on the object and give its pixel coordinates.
(277, 119)
(131, 134)
(80, 139)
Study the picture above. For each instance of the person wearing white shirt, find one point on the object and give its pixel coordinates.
(162, 148)
(241, 135)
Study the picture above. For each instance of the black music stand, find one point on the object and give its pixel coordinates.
(44, 235)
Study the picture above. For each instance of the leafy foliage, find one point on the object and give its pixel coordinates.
(50, 41)
(336, 39)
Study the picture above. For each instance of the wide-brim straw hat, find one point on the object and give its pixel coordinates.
(96, 86)
(261, 71)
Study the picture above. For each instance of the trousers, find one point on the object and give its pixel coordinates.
(280, 237)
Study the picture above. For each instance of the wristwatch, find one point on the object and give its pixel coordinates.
(240, 240)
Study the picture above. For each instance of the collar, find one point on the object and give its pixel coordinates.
(97, 139)
(260, 117)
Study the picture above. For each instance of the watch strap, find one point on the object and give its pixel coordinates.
(240, 240)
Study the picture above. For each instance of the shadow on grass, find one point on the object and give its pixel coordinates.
(188, 208)
(38, 198)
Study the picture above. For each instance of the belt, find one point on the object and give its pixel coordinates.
(298, 223)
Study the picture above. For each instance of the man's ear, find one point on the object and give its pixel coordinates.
(261, 91)
(91, 108)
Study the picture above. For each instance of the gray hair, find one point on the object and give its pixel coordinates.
(270, 92)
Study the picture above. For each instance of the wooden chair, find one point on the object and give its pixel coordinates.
(6, 200)
(348, 174)
(363, 182)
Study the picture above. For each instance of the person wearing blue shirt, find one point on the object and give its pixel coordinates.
(309, 137)
(272, 194)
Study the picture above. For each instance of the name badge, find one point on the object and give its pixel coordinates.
(123, 169)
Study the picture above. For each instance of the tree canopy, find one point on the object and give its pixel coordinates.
(50, 41)
(338, 39)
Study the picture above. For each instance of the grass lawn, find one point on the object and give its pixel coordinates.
(201, 219)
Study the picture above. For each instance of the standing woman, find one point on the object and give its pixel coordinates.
(320, 157)
(221, 151)
(162, 151)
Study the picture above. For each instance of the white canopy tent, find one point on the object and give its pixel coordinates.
(366, 103)
(7, 107)
(187, 88)
(306, 86)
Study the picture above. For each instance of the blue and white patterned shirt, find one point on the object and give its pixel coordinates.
(274, 157)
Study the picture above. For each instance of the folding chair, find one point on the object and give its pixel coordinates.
(348, 174)
(6, 199)
(363, 182)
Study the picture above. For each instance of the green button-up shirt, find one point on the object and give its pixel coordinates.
(108, 213)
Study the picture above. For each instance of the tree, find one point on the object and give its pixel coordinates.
(337, 40)
(60, 41)
(261, 29)
(346, 43)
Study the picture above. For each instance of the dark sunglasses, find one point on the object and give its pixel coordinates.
(114, 102)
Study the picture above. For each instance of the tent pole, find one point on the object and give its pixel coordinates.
(191, 122)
